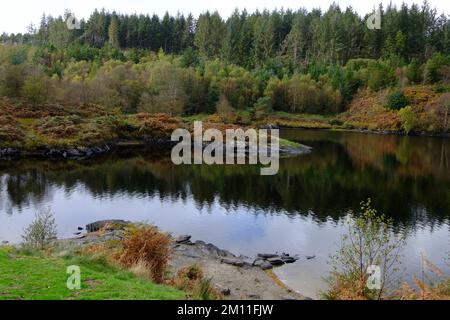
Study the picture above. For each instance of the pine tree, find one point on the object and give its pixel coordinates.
(113, 33)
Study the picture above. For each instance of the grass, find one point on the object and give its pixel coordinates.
(28, 277)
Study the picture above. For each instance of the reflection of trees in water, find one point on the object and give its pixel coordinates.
(24, 189)
(328, 182)
(411, 156)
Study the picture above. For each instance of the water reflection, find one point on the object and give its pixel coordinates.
(407, 178)
(300, 210)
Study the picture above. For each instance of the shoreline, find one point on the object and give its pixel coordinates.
(88, 152)
(235, 277)
(92, 151)
(375, 132)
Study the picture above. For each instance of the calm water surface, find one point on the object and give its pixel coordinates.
(300, 211)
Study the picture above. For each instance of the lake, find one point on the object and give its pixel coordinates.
(301, 210)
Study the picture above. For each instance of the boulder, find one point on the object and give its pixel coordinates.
(288, 259)
(267, 255)
(73, 153)
(115, 225)
(265, 265)
(276, 261)
(234, 262)
(183, 239)
(258, 262)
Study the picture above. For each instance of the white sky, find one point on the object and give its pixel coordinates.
(16, 15)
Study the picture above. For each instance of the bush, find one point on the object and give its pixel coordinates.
(369, 242)
(407, 118)
(37, 90)
(379, 75)
(41, 231)
(146, 246)
(192, 280)
(396, 101)
(12, 78)
(414, 71)
(435, 67)
(431, 285)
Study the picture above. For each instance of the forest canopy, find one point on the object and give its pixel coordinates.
(282, 60)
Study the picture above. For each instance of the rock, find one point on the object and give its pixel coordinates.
(310, 257)
(183, 239)
(115, 225)
(271, 126)
(53, 153)
(74, 153)
(253, 296)
(9, 153)
(288, 298)
(267, 255)
(263, 264)
(258, 262)
(293, 151)
(287, 258)
(276, 261)
(223, 290)
(266, 265)
(77, 233)
(234, 262)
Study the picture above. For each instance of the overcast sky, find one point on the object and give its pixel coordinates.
(16, 15)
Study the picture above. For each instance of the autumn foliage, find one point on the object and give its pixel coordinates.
(147, 246)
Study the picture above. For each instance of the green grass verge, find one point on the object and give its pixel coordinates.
(44, 278)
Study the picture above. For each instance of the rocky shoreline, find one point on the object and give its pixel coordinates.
(79, 153)
(235, 277)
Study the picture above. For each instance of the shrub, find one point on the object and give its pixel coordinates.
(262, 107)
(414, 71)
(435, 68)
(432, 286)
(12, 78)
(146, 246)
(408, 118)
(37, 90)
(379, 75)
(41, 231)
(396, 101)
(444, 109)
(369, 242)
(192, 279)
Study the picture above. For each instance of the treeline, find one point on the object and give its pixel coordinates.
(249, 40)
(304, 62)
